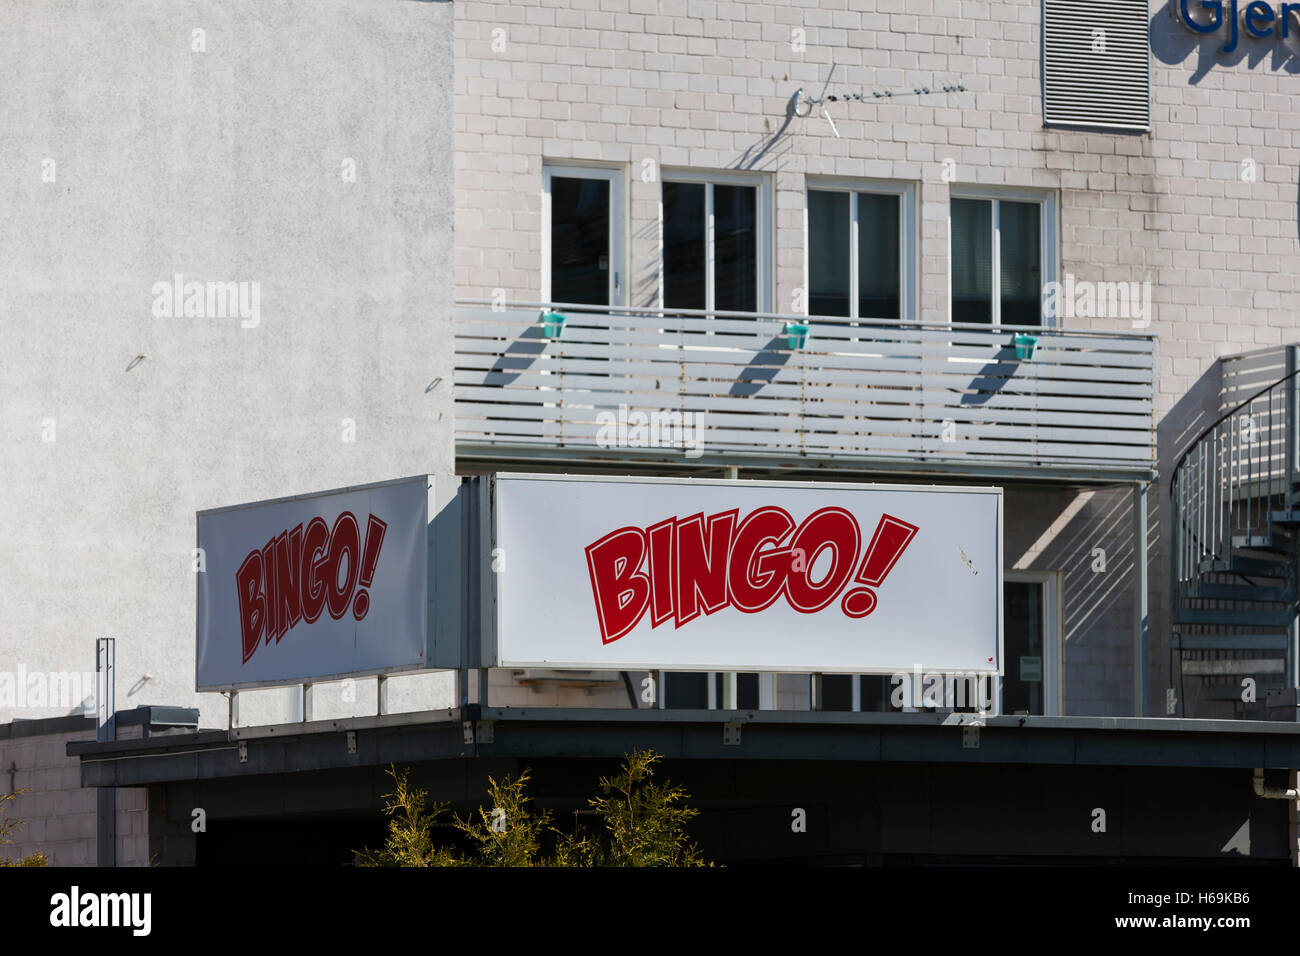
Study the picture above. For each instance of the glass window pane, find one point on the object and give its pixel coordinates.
(683, 245)
(580, 240)
(1021, 284)
(686, 690)
(878, 247)
(735, 248)
(877, 694)
(837, 692)
(747, 691)
(828, 253)
(972, 260)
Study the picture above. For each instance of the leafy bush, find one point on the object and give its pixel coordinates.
(638, 823)
(8, 828)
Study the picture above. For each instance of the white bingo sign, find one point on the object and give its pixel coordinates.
(691, 574)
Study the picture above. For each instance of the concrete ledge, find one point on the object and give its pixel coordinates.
(45, 725)
(704, 735)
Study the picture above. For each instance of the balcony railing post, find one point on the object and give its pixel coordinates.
(1139, 599)
(1292, 422)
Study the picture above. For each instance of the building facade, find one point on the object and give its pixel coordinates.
(228, 275)
(1018, 243)
(896, 161)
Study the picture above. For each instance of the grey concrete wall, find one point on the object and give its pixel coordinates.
(648, 84)
(302, 146)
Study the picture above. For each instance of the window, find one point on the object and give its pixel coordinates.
(709, 691)
(838, 692)
(582, 244)
(715, 243)
(1001, 251)
(859, 251)
(1097, 63)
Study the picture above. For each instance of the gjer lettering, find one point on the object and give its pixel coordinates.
(1259, 19)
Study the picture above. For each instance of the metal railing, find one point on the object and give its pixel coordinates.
(1235, 479)
(929, 396)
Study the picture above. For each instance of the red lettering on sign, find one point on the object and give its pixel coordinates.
(622, 592)
(252, 602)
(701, 569)
(315, 549)
(698, 564)
(300, 573)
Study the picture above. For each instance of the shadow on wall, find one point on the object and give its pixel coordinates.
(645, 283)
(1085, 536)
(1093, 551)
(1191, 414)
(1173, 42)
(756, 153)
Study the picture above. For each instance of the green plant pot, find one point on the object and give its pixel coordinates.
(553, 324)
(796, 335)
(1024, 346)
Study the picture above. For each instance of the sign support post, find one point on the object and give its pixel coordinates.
(105, 729)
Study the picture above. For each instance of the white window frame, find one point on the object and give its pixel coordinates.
(1053, 646)
(764, 298)
(618, 220)
(1047, 245)
(908, 250)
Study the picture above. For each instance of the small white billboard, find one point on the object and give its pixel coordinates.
(693, 574)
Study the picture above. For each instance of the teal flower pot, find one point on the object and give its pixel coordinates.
(1024, 346)
(796, 335)
(553, 324)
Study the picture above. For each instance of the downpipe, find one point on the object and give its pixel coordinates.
(1272, 793)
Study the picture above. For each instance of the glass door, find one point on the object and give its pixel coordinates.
(1030, 629)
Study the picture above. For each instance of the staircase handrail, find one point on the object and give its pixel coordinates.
(1219, 421)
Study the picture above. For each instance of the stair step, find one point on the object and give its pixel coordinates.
(1285, 517)
(1230, 642)
(1238, 617)
(1237, 564)
(1250, 666)
(1240, 592)
(1233, 692)
(1264, 542)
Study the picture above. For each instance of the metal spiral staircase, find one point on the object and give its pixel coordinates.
(1236, 548)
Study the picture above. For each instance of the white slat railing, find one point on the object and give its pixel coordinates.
(859, 392)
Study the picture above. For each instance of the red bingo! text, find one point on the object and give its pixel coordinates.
(682, 567)
(296, 577)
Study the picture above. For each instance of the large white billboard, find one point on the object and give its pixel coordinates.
(313, 587)
(691, 574)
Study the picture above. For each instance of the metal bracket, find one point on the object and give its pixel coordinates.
(970, 737)
(478, 731)
(243, 752)
(731, 733)
(352, 741)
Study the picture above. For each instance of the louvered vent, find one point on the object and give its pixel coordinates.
(1084, 85)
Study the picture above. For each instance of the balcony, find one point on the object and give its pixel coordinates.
(616, 384)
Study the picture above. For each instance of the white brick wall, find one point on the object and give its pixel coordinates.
(58, 813)
(707, 85)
